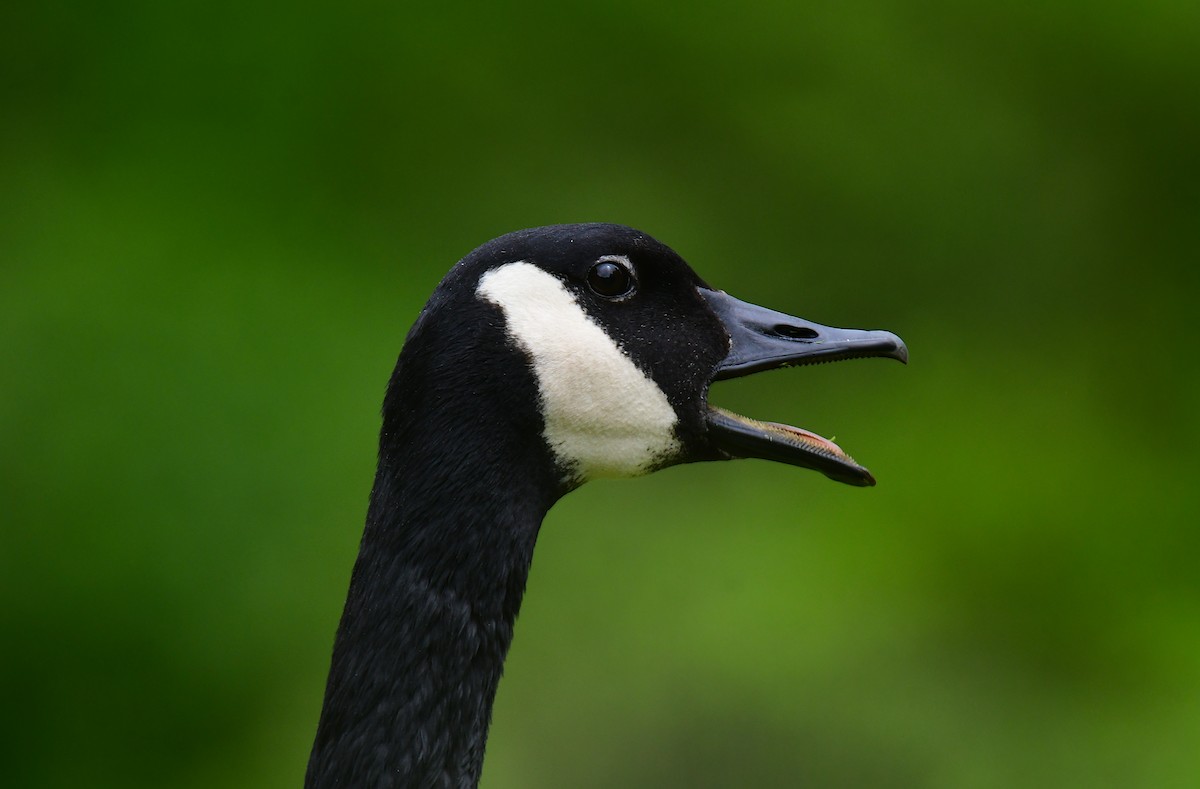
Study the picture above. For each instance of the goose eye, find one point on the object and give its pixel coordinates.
(610, 280)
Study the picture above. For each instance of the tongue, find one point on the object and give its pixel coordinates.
(806, 436)
(742, 436)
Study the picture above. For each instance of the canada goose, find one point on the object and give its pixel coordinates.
(545, 358)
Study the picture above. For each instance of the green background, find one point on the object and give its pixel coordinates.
(218, 219)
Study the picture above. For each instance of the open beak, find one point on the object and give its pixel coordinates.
(763, 339)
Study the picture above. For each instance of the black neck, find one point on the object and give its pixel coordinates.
(459, 495)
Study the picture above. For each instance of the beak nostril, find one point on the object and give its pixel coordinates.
(795, 332)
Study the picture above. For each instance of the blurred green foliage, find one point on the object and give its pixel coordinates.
(218, 219)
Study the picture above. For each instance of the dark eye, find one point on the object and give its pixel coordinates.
(610, 280)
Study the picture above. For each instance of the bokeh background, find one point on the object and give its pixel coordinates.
(218, 219)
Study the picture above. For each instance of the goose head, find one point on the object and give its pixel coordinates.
(623, 341)
(544, 359)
